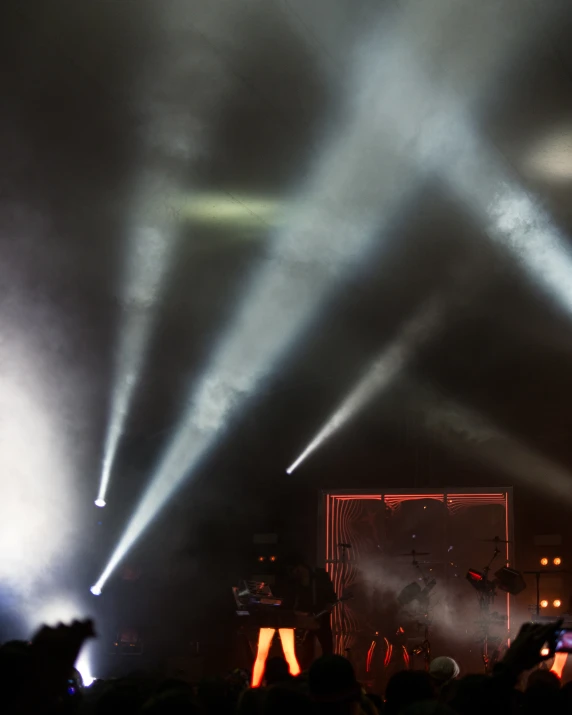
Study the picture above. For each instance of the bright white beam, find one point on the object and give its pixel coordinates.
(360, 181)
(362, 177)
(148, 255)
(170, 142)
(379, 375)
(84, 666)
(514, 220)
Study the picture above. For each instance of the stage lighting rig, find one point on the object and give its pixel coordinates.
(507, 580)
(479, 581)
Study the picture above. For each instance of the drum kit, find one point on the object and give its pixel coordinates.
(417, 603)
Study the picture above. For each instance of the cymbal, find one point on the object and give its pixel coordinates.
(496, 540)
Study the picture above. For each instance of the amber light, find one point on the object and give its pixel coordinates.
(273, 558)
(261, 558)
(557, 603)
(557, 561)
(544, 561)
(544, 604)
(544, 652)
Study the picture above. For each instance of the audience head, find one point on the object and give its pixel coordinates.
(541, 679)
(542, 693)
(277, 671)
(282, 700)
(407, 687)
(175, 701)
(443, 669)
(333, 685)
(15, 671)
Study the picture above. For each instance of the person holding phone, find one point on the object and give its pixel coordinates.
(47, 663)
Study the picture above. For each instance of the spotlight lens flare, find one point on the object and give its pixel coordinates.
(100, 503)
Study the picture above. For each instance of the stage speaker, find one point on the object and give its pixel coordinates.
(510, 581)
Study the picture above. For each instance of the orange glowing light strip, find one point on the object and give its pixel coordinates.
(476, 497)
(370, 656)
(388, 653)
(410, 497)
(328, 557)
(507, 537)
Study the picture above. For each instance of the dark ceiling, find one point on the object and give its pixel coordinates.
(220, 124)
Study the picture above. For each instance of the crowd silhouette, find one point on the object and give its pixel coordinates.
(39, 677)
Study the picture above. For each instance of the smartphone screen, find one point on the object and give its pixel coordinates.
(564, 641)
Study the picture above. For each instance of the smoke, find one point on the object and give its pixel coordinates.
(45, 419)
(42, 522)
(173, 134)
(450, 616)
(39, 498)
(380, 374)
(468, 432)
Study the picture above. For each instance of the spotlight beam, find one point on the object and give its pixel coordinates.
(379, 375)
(148, 256)
(362, 177)
(155, 214)
(514, 220)
(360, 180)
(440, 134)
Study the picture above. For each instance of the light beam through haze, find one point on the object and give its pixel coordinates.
(365, 174)
(379, 375)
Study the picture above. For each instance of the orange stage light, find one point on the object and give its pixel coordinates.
(544, 604)
(559, 663)
(265, 637)
(544, 561)
(557, 561)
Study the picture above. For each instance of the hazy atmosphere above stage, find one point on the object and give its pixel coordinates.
(253, 249)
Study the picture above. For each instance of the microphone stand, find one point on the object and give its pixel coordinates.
(486, 598)
(425, 647)
(343, 615)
